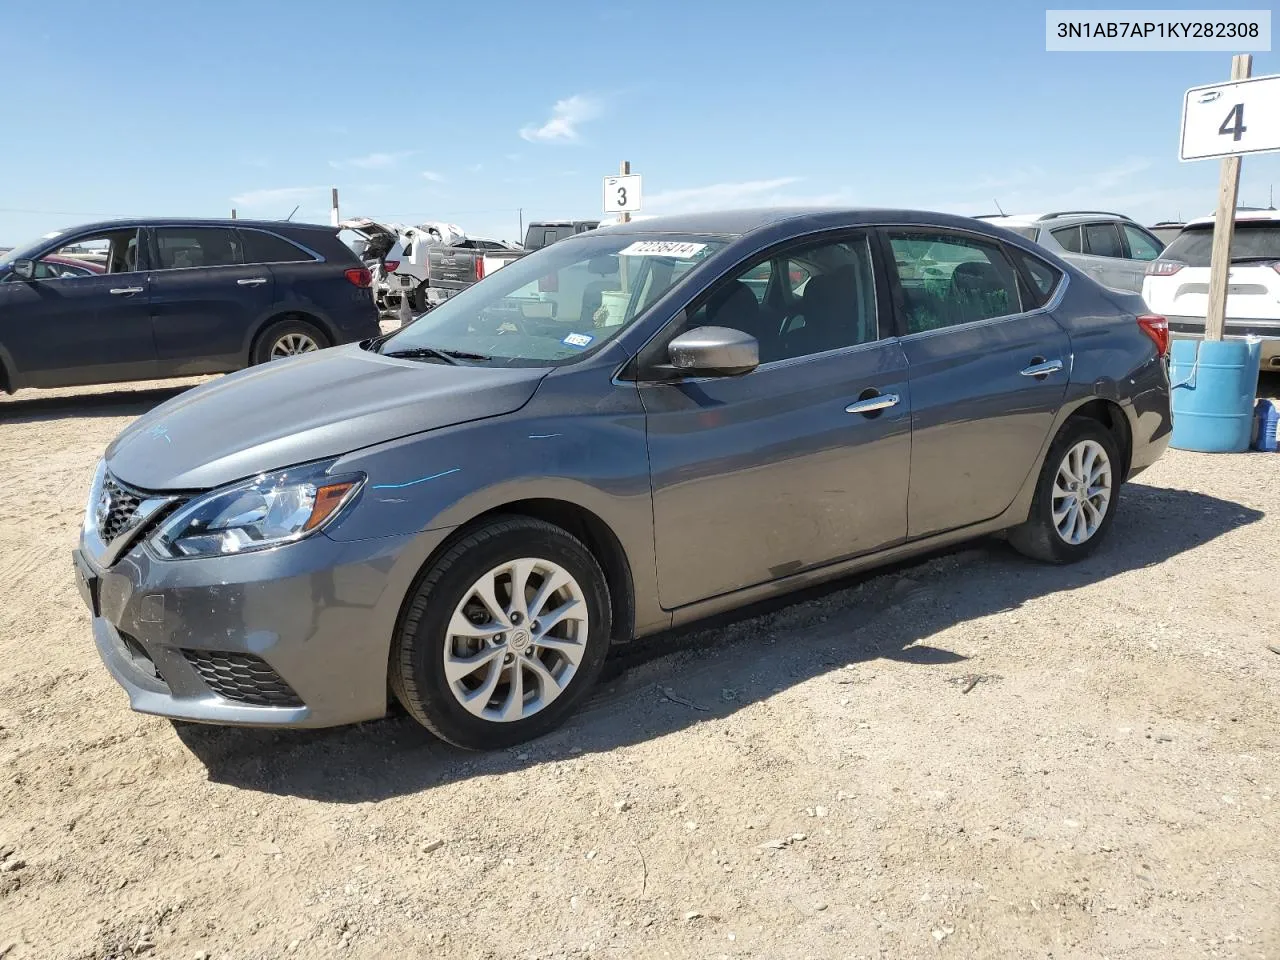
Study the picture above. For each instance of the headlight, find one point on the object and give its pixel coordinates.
(266, 511)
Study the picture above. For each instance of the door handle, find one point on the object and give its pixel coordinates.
(126, 291)
(1041, 367)
(251, 281)
(882, 401)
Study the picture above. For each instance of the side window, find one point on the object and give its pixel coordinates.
(1102, 240)
(1044, 278)
(1141, 245)
(948, 279)
(834, 306)
(113, 251)
(260, 247)
(1069, 238)
(757, 279)
(549, 237)
(184, 247)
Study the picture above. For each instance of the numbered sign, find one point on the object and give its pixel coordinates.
(622, 194)
(1226, 119)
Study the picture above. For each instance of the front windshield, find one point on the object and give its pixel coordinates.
(558, 302)
(25, 249)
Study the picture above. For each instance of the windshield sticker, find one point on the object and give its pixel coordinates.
(579, 341)
(663, 248)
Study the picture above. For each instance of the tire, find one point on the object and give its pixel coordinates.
(418, 300)
(444, 601)
(1040, 536)
(271, 342)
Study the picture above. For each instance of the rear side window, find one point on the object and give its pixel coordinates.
(1141, 245)
(1193, 245)
(260, 247)
(947, 279)
(1043, 278)
(1068, 238)
(184, 247)
(1028, 233)
(1102, 240)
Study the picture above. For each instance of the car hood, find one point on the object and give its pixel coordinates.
(306, 408)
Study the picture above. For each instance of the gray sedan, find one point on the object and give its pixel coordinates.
(627, 430)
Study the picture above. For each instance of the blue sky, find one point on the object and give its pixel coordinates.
(467, 111)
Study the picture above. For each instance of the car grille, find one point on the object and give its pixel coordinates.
(121, 509)
(242, 677)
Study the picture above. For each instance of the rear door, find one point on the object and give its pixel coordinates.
(988, 371)
(1105, 256)
(62, 330)
(205, 300)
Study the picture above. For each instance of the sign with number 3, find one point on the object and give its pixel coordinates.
(622, 194)
(1227, 119)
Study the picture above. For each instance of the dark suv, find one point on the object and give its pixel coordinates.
(176, 298)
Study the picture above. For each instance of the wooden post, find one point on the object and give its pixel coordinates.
(233, 213)
(520, 236)
(624, 277)
(1224, 224)
(333, 207)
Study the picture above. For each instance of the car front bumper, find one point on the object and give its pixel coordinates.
(296, 636)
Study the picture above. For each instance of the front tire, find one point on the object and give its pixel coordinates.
(1076, 495)
(503, 635)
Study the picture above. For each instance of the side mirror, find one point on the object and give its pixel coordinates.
(714, 351)
(24, 269)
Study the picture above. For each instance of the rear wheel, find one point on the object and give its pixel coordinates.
(503, 636)
(1076, 495)
(288, 338)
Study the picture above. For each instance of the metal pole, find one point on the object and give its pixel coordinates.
(625, 170)
(333, 207)
(1224, 224)
(233, 213)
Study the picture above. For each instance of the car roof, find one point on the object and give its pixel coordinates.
(1055, 218)
(192, 222)
(1263, 215)
(738, 223)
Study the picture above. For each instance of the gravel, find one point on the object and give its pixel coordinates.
(1109, 786)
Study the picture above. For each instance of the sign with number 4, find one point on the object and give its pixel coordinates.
(1227, 119)
(622, 194)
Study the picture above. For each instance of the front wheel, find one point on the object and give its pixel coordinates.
(1076, 495)
(503, 636)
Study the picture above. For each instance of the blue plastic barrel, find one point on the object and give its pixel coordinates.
(1214, 385)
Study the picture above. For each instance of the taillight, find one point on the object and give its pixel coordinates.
(1157, 328)
(360, 276)
(391, 265)
(1276, 266)
(479, 268)
(1164, 268)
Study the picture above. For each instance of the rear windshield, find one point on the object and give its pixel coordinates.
(1193, 245)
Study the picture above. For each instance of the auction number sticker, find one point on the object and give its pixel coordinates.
(579, 340)
(663, 248)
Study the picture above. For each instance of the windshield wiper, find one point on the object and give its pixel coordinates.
(1254, 259)
(435, 353)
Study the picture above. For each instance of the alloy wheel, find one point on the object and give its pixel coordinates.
(1081, 492)
(292, 344)
(516, 640)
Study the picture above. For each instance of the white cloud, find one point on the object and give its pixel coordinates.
(432, 176)
(371, 161)
(274, 197)
(566, 116)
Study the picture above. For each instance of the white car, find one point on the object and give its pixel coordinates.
(1177, 285)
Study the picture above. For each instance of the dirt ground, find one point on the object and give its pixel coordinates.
(973, 756)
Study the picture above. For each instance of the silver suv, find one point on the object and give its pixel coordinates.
(1109, 247)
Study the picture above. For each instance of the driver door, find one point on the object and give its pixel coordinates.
(65, 330)
(789, 467)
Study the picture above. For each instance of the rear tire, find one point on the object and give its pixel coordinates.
(484, 679)
(287, 338)
(1076, 495)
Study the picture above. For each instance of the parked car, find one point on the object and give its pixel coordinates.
(1109, 247)
(543, 233)
(1166, 230)
(176, 298)
(487, 499)
(1178, 283)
